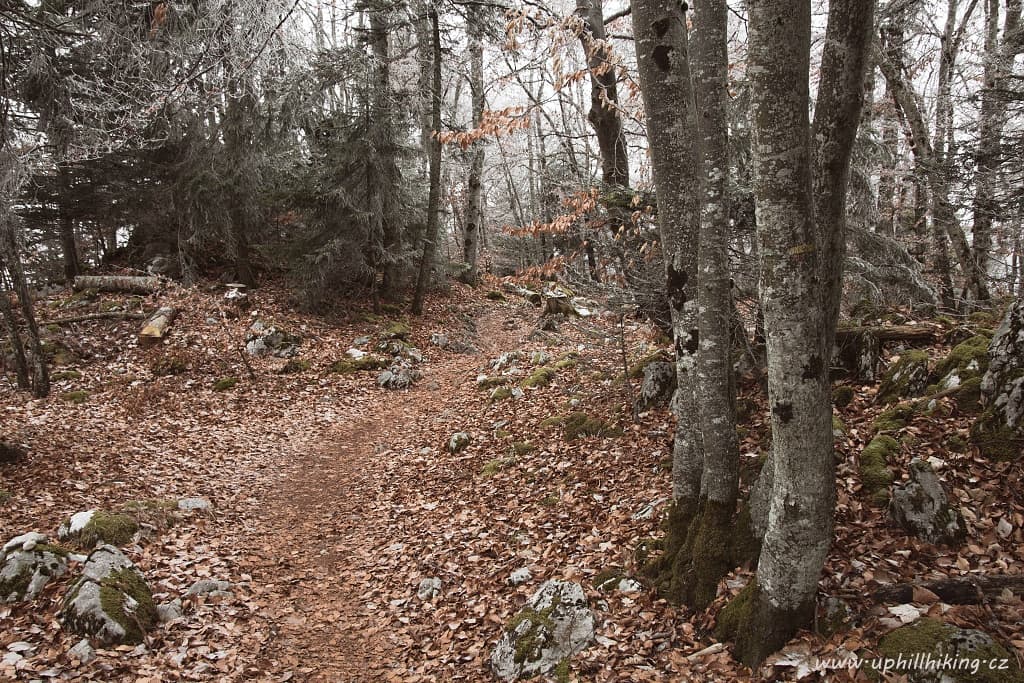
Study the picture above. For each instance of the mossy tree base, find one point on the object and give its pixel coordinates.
(704, 540)
(758, 627)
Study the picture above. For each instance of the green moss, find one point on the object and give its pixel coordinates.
(994, 439)
(492, 382)
(107, 527)
(945, 321)
(160, 513)
(522, 447)
(561, 672)
(842, 395)
(17, 584)
(492, 467)
(115, 589)
(566, 364)
(540, 377)
(397, 330)
(644, 550)
(500, 394)
(502, 434)
(580, 424)
(225, 383)
(929, 636)
(986, 318)
(174, 363)
(905, 377)
(495, 295)
(969, 359)
(968, 396)
(636, 370)
(838, 428)
(896, 418)
(875, 475)
(554, 421)
(549, 501)
(734, 614)
(295, 366)
(66, 375)
(530, 642)
(351, 365)
(5, 496)
(75, 396)
(957, 444)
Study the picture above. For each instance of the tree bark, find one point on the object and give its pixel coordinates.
(470, 246)
(801, 268)
(604, 98)
(716, 386)
(434, 196)
(17, 345)
(664, 69)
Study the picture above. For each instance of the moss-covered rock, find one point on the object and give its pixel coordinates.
(348, 366)
(896, 418)
(225, 383)
(842, 395)
(459, 442)
(539, 378)
(500, 394)
(495, 295)
(999, 430)
(522, 447)
(975, 657)
(397, 330)
(294, 366)
(966, 361)
(65, 376)
(492, 467)
(636, 370)
(75, 396)
(580, 424)
(27, 564)
(838, 428)
(491, 382)
(875, 474)
(97, 526)
(169, 364)
(111, 601)
(907, 377)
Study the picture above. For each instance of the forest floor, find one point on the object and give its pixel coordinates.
(334, 498)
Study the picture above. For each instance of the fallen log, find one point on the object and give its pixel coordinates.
(959, 591)
(884, 333)
(117, 283)
(108, 315)
(157, 325)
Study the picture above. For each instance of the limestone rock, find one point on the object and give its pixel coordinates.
(83, 651)
(211, 587)
(90, 527)
(110, 601)
(913, 647)
(429, 588)
(520, 576)
(27, 564)
(999, 430)
(398, 376)
(555, 624)
(459, 442)
(907, 377)
(264, 339)
(169, 611)
(922, 508)
(195, 505)
(658, 385)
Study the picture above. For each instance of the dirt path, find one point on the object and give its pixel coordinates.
(322, 515)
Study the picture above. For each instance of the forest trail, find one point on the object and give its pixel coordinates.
(323, 514)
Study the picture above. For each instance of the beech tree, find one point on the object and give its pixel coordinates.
(800, 179)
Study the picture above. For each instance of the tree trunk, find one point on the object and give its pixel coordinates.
(68, 244)
(470, 245)
(11, 256)
(716, 386)
(17, 346)
(801, 270)
(117, 283)
(664, 71)
(992, 119)
(434, 197)
(604, 98)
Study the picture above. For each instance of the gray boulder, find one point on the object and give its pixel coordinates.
(398, 376)
(555, 624)
(658, 385)
(264, 340)
(999, 430)
(459, 442)
(917, 651)
(27, 564)
(210, 587)
(922, 508)
(110, 601)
